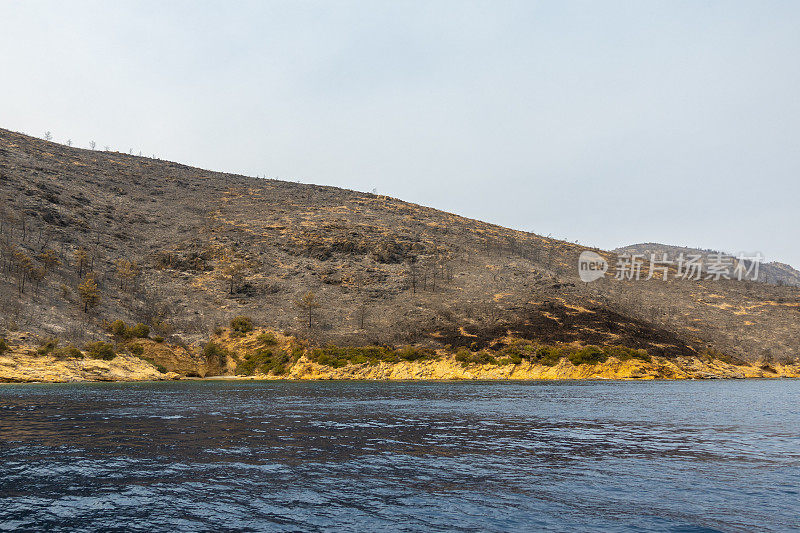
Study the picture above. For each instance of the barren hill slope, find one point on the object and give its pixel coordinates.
(772, 272)
(184, 250)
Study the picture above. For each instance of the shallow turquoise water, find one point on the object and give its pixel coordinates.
(254, 456)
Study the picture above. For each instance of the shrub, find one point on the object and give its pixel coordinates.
(136, 349)
(139, 331)
(47, 347)
(548, 355)
(623, 353)
(242, 324)
(214, 352)
(68, 352)
(100, 350)
(330, 360)
(483, 357)
(411, 353)
(158, 339)
(118, 328)
(3, 346)
(264, 361)
(588, 355)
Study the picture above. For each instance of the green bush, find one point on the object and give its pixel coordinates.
(588, 355)
(330, 360)
(100, 350)
(463, 355)
(158, 339)
(139, 331)
(47, 347)
(68, 352)
(548, 355)
(483, 357)
(412, 353)
(336, 356)
(623, 353)
(242, 324)
(118, 328)
(214, 352)
(3, 346)
(264, 361)
(136, 349)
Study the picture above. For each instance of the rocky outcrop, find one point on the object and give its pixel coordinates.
(173, 358)
(25, 366)
(448, 368)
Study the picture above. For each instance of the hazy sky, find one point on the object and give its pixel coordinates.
(606, 122)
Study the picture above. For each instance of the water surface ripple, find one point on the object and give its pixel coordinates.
(411, 456)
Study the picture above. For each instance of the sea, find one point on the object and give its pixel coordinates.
(205, 455)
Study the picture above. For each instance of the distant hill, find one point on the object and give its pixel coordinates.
(184, 250)
(772, 272)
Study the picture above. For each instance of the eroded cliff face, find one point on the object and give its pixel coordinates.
(178, 359)
(25, 366)
(450, 369)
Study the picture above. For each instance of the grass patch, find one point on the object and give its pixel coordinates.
(267, 339)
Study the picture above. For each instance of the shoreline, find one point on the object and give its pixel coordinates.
(25, 368)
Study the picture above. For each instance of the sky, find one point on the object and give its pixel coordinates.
(607, 123)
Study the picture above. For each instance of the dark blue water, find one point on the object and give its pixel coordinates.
(239, 456)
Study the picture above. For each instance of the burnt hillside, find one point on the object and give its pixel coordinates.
(773, 272)
(184, 249)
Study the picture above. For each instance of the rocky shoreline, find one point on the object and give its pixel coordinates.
(28, 368)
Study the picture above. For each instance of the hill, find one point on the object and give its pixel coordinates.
(184, 250)
(772, 272)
